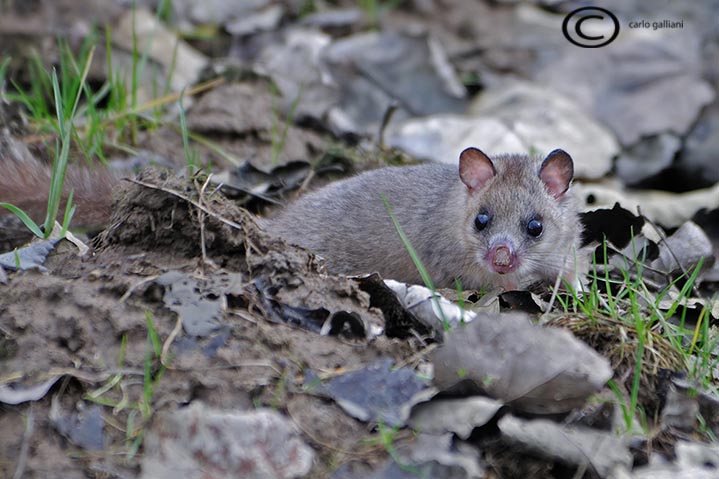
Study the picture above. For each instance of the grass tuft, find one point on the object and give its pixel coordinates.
(621, 317)
(65, 115)
(108, 118)
(114, 393)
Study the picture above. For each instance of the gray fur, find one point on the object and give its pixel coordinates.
(347, 223)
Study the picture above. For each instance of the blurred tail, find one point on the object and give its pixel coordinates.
(26, 184)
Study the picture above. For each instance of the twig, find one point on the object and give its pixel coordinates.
(168, 342)
(194, 203)
(132, 288)
(172, 97)
(306, 181)
(663, 239)
(416, 356)
(201, 218)
(25, 447)
(555, 290)
(386, 118)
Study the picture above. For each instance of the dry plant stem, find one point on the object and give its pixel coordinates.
(243, 364)
(217, 188)
(171, 98)
(113, 423)
(246, 317)
(201, 219)
(660, 352)
(306, 181)
(88, 377)
(557, 282)
(386, 118)
(625, 375)
(418, 337)
(5, 332)
(663, 237)
(252, 247)
(168, 342)
(194, 203)
(555, 292)
(132, 288)
(249, 192)
(582, 469)
(25, 447)
(249, 245)
(325, 374)
(416, 356)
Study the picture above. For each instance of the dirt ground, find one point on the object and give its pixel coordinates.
(84, 322)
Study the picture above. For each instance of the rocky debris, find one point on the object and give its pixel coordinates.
(458, 416)
(178, 64)
(198, 441)
(533, 369)
(599, 451)
(545, 120)
(647, 158)
(701, 149)
(626, 87)
(375, 393)
(442, 137)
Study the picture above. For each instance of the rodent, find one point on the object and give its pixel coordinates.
(506, 221)
(471, 223)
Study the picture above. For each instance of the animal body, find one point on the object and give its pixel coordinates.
(506, 221)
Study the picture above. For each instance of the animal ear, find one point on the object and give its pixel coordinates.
(475, 168)
(556, 172)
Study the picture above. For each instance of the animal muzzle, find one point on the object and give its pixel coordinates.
(503, 259)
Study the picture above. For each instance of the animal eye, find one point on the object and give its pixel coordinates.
(481, 221)
(534, 227)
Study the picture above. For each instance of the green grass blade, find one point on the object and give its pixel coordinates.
(424, 274)
(171, 70)
(59, 108)
(69, 213)
(410, 249)
(280, 139)
(59, 166)
(83, 81)
(152, 335)
(189, 157)
(3, 74)
(27, 221)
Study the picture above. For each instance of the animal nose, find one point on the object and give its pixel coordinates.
(503, 259)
